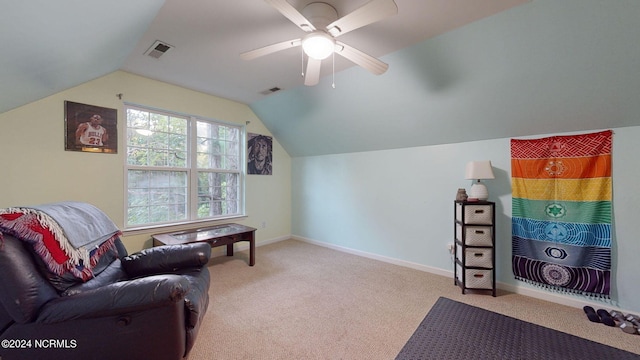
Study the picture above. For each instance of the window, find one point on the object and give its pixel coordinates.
(181, 168)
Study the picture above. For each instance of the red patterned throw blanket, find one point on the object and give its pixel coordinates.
(51, 243)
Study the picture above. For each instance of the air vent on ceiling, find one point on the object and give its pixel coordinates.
(158, 49)
(270, 91)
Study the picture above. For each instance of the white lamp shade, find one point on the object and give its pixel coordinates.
(477, 170)
(318, 45)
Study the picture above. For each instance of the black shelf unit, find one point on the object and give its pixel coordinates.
(474, 246)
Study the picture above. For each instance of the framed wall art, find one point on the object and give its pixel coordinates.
(259, 150)
(90, 128)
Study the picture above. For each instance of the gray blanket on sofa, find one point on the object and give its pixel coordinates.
(84, 225)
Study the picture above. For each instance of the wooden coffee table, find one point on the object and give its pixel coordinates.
(219, 235)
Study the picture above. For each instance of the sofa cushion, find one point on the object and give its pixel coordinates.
(113, 272)
(24, 290)
(68, 280)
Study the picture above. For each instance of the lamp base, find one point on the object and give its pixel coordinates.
(479, 190)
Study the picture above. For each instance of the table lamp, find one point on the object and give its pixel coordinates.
(479, 170)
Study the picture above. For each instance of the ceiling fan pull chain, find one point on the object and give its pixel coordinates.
(302, 61)
(333, 70)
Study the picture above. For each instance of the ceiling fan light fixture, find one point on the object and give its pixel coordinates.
(318, 45)
(321, 23)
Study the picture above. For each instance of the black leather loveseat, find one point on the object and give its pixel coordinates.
(148, 305)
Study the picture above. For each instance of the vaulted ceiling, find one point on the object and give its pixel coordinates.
(459, 70)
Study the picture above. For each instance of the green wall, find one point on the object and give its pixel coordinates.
(397, 205)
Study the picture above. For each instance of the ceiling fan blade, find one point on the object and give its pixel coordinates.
(369, 13)
(269, 49)
(292, 14)
(359, 58)
(312, 75)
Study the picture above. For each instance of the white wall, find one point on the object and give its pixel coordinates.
(36, 169)
(398, 204)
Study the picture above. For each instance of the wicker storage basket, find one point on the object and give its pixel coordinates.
(475, 214)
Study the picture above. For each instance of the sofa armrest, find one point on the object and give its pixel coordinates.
(117, 298)
(166, 259)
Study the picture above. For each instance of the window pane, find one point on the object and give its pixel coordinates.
(218, 194)
(137, 215)
(178, 142)
(137, 156)
(177, 126)
(218, 146)
(137, 119)
(162, 140)
(159, 123)
(178, 159)
(233, 162)
(159, 141)
(156, 139)
(157, 196)
(134, 138)
(203, 160)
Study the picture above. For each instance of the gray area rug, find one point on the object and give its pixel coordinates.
(453, 330)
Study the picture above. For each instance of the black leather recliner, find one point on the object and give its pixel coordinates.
(148, 305)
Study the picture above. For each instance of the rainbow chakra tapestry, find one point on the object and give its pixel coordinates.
(561, 220)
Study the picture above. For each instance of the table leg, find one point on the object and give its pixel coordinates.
(230, 249)
(252, 250)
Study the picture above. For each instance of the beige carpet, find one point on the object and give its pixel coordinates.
(302, 301)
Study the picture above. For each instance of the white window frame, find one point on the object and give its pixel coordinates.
(191, 169)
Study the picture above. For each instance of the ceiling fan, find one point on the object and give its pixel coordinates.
(320, 20)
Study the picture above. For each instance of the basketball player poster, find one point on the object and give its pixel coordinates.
(90, 128)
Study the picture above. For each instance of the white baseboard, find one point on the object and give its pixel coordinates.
(562, 299)
(386, 259)
(521, 290)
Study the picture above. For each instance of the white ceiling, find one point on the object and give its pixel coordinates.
(459, 70)
(209, 35)
(49, 46)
